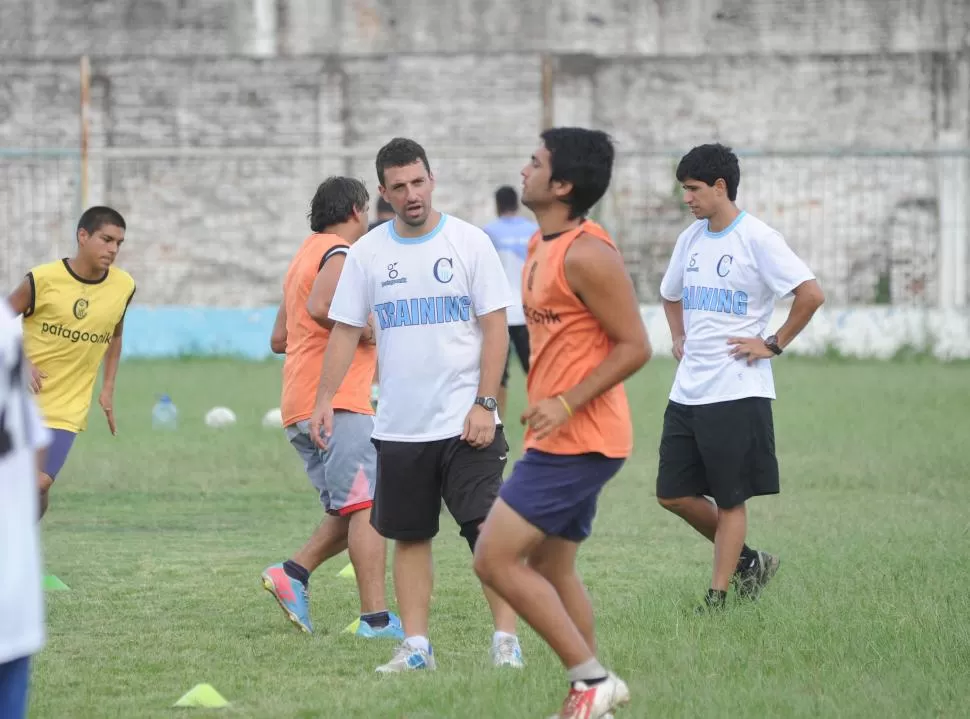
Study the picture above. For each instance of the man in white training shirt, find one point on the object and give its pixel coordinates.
(725, 273)
(438, 294)
(23, 438)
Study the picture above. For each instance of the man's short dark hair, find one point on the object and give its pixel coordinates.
(335, 201)
(400, 152)
(94, 218)
(710, 163)
(506, 199)
(585, 159)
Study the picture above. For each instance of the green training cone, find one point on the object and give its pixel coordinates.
(53, 584)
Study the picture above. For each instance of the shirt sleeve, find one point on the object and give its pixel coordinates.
(351, 298)
(487, 229)
(489, 284)
(672, 284)
(780, 268)
(124, 312)
(31, 280)
(38, 435)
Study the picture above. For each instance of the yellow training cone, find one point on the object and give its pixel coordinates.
(348, 572)
(202, 695)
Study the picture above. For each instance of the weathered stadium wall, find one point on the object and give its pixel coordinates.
(212, 121)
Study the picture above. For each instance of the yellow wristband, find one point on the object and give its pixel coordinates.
(569, 410)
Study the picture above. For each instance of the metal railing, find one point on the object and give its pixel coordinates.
(216, 226)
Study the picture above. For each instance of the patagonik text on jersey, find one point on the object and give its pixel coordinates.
(75, 335)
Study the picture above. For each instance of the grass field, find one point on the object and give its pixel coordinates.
(162, 537)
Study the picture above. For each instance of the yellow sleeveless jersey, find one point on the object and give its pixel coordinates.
(67, 329)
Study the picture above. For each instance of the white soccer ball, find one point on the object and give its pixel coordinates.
(220, 417)
(273, 418)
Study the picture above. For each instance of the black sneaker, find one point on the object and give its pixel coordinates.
(713, 603)
(752, 576)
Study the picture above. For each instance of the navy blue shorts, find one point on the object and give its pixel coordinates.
(14, 686)
(57, 451)
(557, 492)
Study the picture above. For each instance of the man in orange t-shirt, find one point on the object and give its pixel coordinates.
(345, 474)
(586, 336)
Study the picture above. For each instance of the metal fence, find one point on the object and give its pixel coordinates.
(217, 226)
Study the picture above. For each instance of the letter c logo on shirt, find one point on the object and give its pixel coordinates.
(723, 268)
(81, 308)
(443, 271)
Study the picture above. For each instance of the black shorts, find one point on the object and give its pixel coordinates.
(519, 341)
(413, 478)
(724, 450)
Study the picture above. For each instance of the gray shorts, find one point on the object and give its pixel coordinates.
(345, 474)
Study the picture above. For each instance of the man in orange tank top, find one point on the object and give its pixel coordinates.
(345, 474)
(586, 337)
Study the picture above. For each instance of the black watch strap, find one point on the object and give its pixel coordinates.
(489, 403)
(772, 344)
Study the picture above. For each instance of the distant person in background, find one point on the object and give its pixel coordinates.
(74, 311)
(384, 213)
(23, 438)
(344, 475)
(510, 234)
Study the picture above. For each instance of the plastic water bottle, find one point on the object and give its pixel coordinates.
(164, 413)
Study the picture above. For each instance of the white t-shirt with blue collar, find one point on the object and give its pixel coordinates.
(728, 283)
(426, 294)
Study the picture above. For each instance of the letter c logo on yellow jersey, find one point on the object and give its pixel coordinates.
(81, 308)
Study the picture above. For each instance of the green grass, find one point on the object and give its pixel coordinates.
(162, 537)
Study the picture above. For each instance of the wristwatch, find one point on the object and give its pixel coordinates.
(772, 344)
(489, 403)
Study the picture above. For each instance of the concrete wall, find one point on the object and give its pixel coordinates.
(59, 28)
(175, 83)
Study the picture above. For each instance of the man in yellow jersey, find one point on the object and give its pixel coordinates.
(73, 311)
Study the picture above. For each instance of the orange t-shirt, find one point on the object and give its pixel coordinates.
(566, 344)
(306, 341)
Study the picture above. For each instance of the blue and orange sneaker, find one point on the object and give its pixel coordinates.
(293, 597)
(393, 630)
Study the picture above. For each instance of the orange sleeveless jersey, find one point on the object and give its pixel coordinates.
(306, 341)
(566, 343)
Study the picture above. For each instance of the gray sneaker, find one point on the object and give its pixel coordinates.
(506, 652)
(407, 658)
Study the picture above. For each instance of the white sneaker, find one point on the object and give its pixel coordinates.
(596, 702)
(506, 652)
(408, 658)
